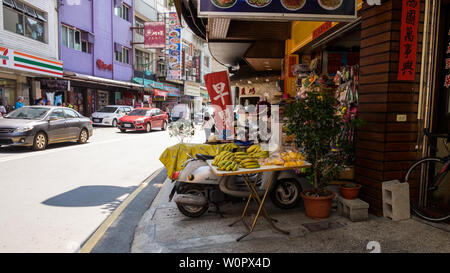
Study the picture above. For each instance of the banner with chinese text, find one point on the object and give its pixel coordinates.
(408, 40)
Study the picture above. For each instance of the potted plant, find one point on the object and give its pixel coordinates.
(315, 122)
(350, 190)
(347, 142)
(183, 129)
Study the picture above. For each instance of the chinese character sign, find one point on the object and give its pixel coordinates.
(154, 35)
(447, 65)
(408, 40)
(218, 88)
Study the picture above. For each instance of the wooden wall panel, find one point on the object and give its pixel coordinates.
(385, 147)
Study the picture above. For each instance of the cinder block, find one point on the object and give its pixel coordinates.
(356, 209)
(396, 204)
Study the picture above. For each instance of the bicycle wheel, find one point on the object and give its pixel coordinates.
(436, 207)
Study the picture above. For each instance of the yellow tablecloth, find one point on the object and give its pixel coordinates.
(174, 156)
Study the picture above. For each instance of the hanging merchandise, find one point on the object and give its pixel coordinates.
(347, 79)
(58, 99)
(50, 97)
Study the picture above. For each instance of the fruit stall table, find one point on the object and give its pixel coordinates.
(245, 173)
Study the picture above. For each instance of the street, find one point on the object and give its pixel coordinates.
(53, 200)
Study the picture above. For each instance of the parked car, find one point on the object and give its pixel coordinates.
(109, 115)
(38, 126)
(180, 111)
(144, 119)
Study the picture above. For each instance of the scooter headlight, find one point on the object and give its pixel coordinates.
(191, 177)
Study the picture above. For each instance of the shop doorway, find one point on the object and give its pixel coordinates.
(441, 104)
(7, 93)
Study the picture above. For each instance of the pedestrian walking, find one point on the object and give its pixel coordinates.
(2, 109)
(19, 103)
(40, 101)
(207, 125)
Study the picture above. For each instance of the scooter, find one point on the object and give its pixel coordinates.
(197, 187)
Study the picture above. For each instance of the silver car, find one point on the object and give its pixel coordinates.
(38, 126)
(109, 115)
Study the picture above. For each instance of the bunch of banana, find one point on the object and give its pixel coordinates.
(227, 165)
(241, 156)
(224, 155)
(256, 152)
(260, 154)
(228, 147)
(249, 163)
(254, 148)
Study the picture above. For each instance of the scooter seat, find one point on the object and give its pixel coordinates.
(204, 157)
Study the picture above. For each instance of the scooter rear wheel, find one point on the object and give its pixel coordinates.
(192, 211)
(286, 193)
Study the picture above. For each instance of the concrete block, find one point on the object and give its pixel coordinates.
(356, 210)
(396, 204)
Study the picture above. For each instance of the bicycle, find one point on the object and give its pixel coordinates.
(437, 170)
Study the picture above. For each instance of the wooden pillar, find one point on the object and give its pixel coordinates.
(385, 147)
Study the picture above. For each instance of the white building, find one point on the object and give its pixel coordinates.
(28, 47)
(144, 59)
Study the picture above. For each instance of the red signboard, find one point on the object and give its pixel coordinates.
(160, 93)
(408, 40)
(218, 87)
(322, 29)
(154, 35)
(103, 66)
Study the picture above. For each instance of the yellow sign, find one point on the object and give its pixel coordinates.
(302, 32)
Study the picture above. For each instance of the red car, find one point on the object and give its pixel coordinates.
(143, 119)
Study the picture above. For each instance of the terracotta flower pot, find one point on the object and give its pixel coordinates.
(350, 192)
(317, 207)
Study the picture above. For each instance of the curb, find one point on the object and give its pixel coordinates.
(92, 241)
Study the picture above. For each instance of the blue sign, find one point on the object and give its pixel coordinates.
(323, 10)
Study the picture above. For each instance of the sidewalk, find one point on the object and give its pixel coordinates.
(163, 229)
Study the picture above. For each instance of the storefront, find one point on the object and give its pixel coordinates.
(87, 93)
(19, 73)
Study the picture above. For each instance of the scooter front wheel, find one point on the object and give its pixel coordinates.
(286, 193)
(188, 210)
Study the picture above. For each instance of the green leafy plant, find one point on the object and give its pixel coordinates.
(182, 129)
(316, 124)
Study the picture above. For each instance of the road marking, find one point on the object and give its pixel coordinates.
(55, 150)
(98, 234)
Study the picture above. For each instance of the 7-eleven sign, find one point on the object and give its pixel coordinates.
(5, 57)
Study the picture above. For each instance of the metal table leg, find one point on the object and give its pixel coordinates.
(254, 194)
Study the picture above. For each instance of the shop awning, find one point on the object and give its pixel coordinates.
(87, 78)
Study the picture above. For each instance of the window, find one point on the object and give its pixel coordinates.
(71, 38)
(24, 20)
(123, 12)
(70, 114)
(58, 114)
(122, 55)
(139, 23)
(142, 61)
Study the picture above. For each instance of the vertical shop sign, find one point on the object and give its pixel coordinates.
(174, 72)
(447, 67)
(290, 82)
(154, 35)
(197, 68)
(408, 40)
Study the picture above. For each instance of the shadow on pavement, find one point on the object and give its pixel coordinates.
(90, 196)
(23, 149)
